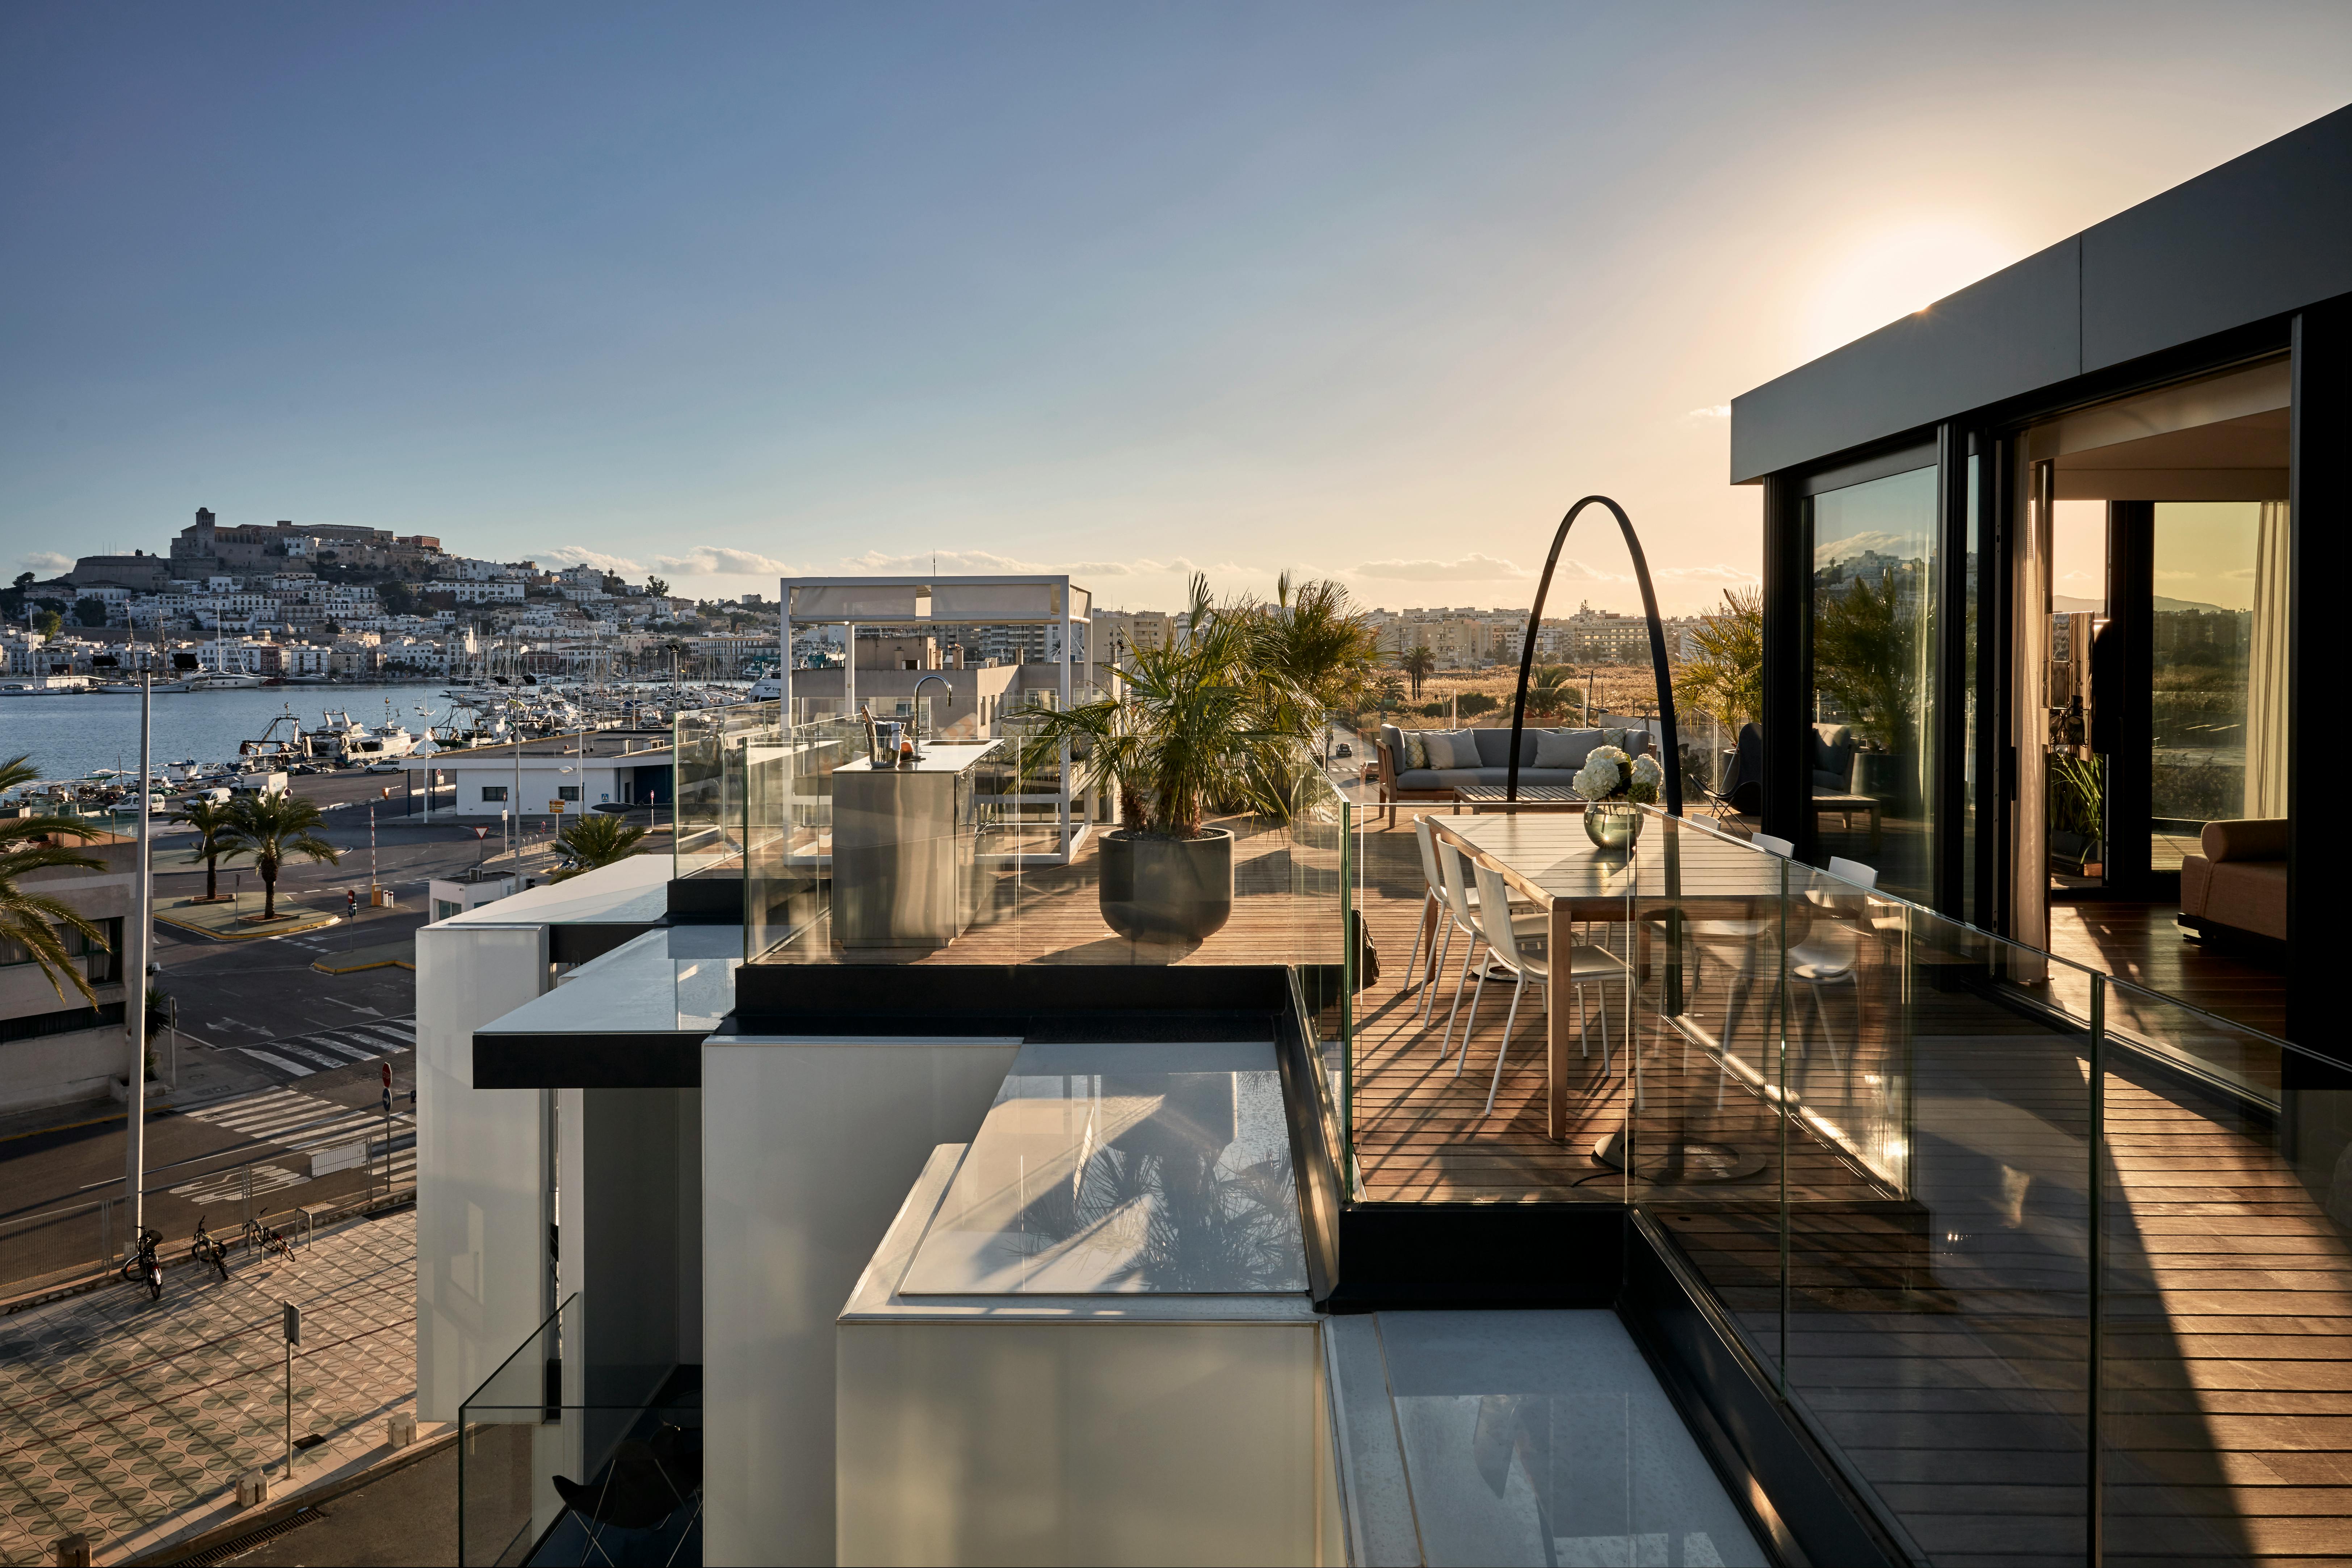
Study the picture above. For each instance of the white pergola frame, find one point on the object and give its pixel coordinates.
(908, 601)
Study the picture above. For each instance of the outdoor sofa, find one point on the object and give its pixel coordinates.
(1566, 751)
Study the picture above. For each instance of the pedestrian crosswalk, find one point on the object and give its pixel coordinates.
(305, 1124)
(299, 1055)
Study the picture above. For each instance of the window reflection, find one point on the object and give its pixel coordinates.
(1874, 651)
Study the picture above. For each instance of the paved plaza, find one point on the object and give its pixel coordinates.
(129, 1420)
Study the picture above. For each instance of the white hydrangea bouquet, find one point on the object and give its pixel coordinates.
(1609, 775)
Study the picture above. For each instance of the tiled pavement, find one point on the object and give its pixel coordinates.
(120, 1418)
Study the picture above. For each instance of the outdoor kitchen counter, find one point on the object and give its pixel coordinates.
(905, 858)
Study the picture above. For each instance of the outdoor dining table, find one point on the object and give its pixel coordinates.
(1675, 865)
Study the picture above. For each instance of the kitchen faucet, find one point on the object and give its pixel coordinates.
(918, 699)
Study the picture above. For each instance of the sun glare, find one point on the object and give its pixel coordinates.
(1876, 277)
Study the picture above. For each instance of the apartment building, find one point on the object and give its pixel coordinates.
(57, 1049)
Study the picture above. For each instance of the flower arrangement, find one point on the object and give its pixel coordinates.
(1609, 775)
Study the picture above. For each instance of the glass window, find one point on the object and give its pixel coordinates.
(494, 793)
(2217, 708)
(1874, 626)
(567, 792)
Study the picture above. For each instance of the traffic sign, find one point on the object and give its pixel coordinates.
(350, 903)
(293, 1324)
(387, 1073)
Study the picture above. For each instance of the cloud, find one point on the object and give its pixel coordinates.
(1712, 411)
(574, 556)
(45, 561)
(1718, 572)
(1470, 568)
(2242, 574)
(2081, 577)
(1902, 546)
(2176, 577)
(720, 561)
(985, 563)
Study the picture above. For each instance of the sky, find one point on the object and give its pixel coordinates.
(720, 292)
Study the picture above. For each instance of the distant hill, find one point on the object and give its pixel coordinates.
(2066, 604)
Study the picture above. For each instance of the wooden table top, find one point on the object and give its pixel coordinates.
(1549, 856)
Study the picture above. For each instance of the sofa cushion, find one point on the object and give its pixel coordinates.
(1435, 778)
(2249, 895)
(1451, 748)
(1495, 748)
(1833, 749)
(2249, 839)
(1565, 748)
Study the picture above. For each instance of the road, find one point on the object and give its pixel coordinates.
(275, 1060)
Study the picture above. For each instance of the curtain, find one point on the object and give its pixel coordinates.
(2266, 668)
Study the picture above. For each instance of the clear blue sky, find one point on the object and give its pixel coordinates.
(715, 290)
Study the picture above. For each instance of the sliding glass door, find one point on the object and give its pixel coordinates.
(1876, 568)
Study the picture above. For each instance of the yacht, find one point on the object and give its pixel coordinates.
(221, 680)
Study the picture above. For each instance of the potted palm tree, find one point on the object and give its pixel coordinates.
(273, 828)
(1209, 724)
(31, 919)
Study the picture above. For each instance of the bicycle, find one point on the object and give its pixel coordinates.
(143, 1267)
(266, 1238)
(208, 1248)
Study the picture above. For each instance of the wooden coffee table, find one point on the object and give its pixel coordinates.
(1846, 805)
(1479, 797)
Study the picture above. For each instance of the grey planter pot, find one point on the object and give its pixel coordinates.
(1167, 888)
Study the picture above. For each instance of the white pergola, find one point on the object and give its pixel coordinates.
(1024, 601)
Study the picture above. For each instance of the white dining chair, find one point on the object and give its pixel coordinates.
(1831, 953)
(1433, 871)
(1585, 964)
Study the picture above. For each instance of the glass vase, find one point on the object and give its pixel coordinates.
(1613, 824)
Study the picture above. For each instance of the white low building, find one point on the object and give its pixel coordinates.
(549, 778)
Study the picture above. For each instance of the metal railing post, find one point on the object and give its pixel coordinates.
(2093, 1381)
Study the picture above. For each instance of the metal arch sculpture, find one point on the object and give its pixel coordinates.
(1669, 743)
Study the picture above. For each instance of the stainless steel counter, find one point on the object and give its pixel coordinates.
(905, 848)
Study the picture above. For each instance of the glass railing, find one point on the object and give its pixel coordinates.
(975, 862)
(564, 1460)
(2039, 1274)
(706, 788)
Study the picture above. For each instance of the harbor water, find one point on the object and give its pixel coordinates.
(71, 737)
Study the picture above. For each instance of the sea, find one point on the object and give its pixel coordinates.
(71, 737)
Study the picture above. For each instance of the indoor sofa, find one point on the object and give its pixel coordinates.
(2239, 883)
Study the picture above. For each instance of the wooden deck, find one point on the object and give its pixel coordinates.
(1937, 1327)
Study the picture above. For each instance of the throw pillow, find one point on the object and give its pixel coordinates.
(1562, 748)
(1416, 749)
(1612, 738)
(1453, 749)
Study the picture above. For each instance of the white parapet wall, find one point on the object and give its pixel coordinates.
(1120, 1428)
(481, 1164)
(809, 1146)
(1087, 1337)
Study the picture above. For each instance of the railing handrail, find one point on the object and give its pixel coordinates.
(1881, 896)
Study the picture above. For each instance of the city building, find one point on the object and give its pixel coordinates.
(57, 1049)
